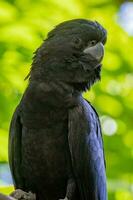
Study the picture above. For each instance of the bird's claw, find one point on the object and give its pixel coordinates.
(22, 195)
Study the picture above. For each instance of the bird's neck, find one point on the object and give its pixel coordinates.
(53, 93)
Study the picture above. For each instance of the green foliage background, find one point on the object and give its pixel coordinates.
(23, 26)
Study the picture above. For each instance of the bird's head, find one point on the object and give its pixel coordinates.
(72, 53)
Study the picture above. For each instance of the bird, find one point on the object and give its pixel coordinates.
(56, 148)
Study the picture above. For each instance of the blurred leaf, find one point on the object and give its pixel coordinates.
(3, 146)
(6, 190)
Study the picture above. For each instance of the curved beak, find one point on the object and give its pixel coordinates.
(97, 51)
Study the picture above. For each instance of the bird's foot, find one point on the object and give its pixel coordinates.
(22, 195)
(64, 198)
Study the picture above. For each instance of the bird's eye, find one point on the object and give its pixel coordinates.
(92, 43)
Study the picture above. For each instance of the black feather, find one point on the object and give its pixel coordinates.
(55, 143)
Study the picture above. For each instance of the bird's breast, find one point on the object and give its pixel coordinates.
(45, 154)
(45, 151)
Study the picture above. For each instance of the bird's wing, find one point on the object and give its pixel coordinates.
(86, 148)
(14, 148)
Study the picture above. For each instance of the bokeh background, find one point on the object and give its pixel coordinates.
(23, 26)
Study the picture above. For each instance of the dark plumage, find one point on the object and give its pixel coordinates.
(55, 143)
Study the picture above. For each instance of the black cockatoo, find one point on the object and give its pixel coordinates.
(55, 142)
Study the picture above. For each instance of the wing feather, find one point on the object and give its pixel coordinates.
(14, 149)
(86, 147)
